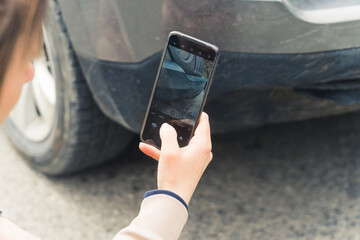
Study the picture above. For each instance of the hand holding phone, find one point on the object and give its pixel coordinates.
(180, 169)
(181, 87)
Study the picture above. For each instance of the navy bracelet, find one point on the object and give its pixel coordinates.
(169, 193)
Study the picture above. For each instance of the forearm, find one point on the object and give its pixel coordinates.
(10, 231)
(161, 217)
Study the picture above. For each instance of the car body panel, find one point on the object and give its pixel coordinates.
(265, 45)
(132, 30)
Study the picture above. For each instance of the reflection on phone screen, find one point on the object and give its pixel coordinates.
(178, 95)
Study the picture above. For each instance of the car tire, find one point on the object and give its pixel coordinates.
(79, 135)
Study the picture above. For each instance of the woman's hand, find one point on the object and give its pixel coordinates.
(180, 169)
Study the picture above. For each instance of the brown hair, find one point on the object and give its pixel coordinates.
(18, 18)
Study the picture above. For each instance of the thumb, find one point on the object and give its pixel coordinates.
(168, 135)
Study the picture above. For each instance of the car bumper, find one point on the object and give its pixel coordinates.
(249, 89)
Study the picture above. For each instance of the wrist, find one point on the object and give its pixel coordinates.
(182, 194)
(169, 193)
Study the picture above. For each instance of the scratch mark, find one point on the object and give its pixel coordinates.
(299, 36)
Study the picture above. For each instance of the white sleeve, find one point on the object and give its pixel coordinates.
(161, 217)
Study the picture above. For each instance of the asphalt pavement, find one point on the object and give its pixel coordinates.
(285, 181)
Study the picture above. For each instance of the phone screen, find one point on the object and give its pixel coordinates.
(180, 90)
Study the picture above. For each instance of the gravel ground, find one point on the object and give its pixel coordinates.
(285, 181)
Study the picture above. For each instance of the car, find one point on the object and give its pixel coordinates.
(279, 61)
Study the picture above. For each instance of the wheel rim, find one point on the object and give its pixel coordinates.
(34, 113)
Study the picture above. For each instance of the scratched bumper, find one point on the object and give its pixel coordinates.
(248, 90)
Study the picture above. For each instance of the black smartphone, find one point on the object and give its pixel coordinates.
(182, 84)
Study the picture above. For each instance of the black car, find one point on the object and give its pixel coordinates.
(279, 61)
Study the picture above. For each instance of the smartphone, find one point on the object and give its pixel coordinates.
(182, 84)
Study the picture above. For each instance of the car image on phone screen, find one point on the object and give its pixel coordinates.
(181, 87)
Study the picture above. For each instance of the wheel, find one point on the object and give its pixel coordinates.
(56, 124)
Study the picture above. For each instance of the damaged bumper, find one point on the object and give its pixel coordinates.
(248, 90)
